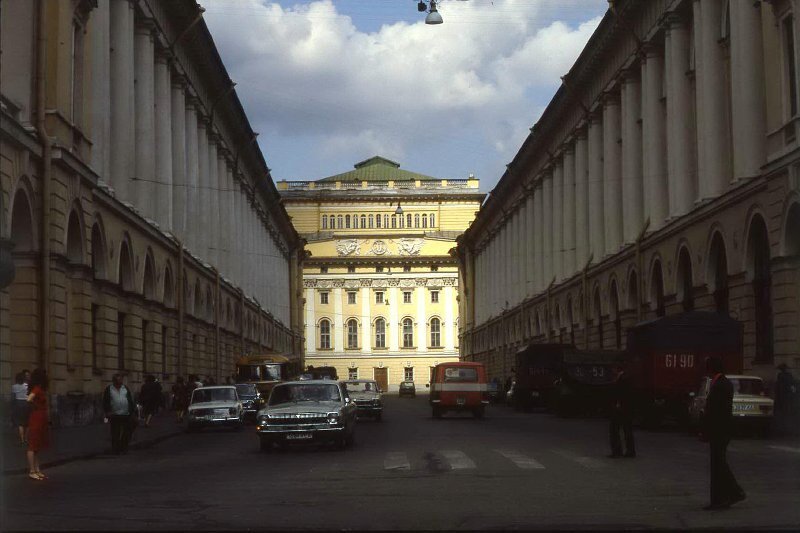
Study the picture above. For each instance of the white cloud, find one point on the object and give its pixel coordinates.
(307, 70)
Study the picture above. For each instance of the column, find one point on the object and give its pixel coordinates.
(632, 210)
(212, 192)
(311, 320)
(547, 230)
(366, 321)
(612, 172)
(557, 214)
(568, 219)
(747, 89)
(529, 237)
(338, 333)
(100, 24)
(201, 213)
(716, 149)
(421, 333)
(596, 220)
(144, 98)
(192, 172)
(122, 119)
(581, 199)
(680, 183)
(538, 235)
(178, 111)
(163, 141)
(654, 139)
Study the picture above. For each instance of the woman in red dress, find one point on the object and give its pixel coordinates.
(38, 431)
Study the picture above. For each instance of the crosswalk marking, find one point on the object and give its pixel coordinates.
(522, 461)
(588, 462)
(458, 460)
(396, 461)
(785, 448)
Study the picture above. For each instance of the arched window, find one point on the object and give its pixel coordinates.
(149, 285)
(339, 221)
(347, 221)
(436, 337)
(380, 333)
(408, 220)
(570, 321)
(125, 267)
(98, 253)
(416, 220)
(169, 288)
(408, 333)
(378, 220)
(598, 318)
(352, 333)
(371, 221)
(424, 221)
(758, 259)
(324, 221)
(657, 289)
(433, 220)
(74, 239)
(718, 274)
(325, 334)
(363, 221)
(685, 283)
(394, 221)
(401, 221)
(385, 221)
(616, 317)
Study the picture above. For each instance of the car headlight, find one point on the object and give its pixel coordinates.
(333, 418)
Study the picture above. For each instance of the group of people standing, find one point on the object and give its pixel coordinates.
(29, 415)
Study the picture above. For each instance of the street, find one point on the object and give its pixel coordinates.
(509, 471)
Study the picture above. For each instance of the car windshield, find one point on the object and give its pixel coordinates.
(246, 389)
(747, 386)
(362, 386)
(259, 372)
(304, 393)
(458, 374)
(213, 395)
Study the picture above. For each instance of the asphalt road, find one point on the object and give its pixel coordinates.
(507, 471)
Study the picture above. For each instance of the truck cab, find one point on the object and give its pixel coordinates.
(459, 387)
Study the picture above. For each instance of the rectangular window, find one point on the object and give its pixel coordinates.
(323, 298)
(406, 297)
(145, 343)
(380, 333)
(408, 373)
(378, 269)
(791, 66)
(323, 270)
(352, 373)
(377, 221)
(434, 297)
(351, 297)
(351, 270)
(408, 333)
(378, 297)
(352, 334)
(406, 268)
(95, 319)
(121, 341)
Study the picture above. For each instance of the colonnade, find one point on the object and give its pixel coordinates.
(166, 152)
(675, 127)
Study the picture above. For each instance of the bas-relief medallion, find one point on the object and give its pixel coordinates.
(379, 248)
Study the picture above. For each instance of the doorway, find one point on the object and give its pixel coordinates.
(382, 377)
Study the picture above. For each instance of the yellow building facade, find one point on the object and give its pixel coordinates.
(380, 283)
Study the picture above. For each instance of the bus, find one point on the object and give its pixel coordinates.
(265, 370)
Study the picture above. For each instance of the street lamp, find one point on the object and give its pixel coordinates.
(433, 15)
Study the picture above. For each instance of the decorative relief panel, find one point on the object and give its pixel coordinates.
(379, 248)
(338, 283)
(421, 282)
(409, 246)
(351, 283)
(348, 247)
(324, 283)
(378, 282)
(407, 282)
(365, 283)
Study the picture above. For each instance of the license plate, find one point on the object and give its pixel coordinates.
(299, 436)
(460, 401)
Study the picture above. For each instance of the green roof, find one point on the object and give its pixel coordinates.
(379, 169)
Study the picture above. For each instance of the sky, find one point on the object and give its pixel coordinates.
(330, 83)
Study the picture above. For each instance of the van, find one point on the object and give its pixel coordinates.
(459, 387)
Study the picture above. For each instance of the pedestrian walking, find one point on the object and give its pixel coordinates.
(621, 416)
(180, 398)
(20, 408)
(121, 414)
(150, 398)
(785, 390)
(38, 430)
(725, 491)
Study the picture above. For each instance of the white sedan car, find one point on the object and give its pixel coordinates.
(215, 406)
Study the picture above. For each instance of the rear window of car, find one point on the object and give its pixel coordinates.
(460, 374)
(747, 386)
(213, 395)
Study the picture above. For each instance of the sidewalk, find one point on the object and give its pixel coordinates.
(82, 442)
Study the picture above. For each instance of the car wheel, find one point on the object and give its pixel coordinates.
(265, 444)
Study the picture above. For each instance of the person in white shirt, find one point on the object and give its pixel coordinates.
(20, 408)
(121, 413)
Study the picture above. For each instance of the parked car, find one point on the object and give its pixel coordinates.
(367, 395)
(459, 387)
(314, 411)
(407, 388)
(250, 397)
(752, 409)
(215, 406)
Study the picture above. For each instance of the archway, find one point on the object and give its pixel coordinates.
(149, 281)
(791, 232)
(614, 312)
(718, 273)
(98, 252)
(760, 273)
(23, 292)
(598, 318)
(169, 287)
(657, 289)
(685, 281)
(74, 248)
(633, 292)
(125, 276)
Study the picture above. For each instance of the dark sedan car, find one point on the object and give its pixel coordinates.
(407, 388)
(251, 398)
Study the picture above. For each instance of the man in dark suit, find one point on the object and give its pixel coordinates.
(725, 491)
(621, 415)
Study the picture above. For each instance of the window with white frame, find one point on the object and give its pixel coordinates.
(352, 373)
(436, 336)
(380, 333)
(408, 373)
(379, 297)
(324, 221)
(408, 333)
(323, 297)
(406, 297)
(434, 297)
(352, 333)
(325, 334)
(351, 297)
